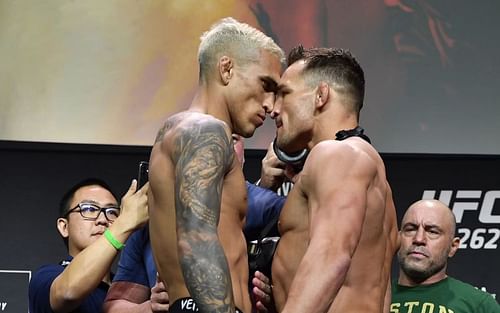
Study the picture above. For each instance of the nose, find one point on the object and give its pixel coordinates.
(268, 102)
(420, 238)
(101, 219)
(276, 109)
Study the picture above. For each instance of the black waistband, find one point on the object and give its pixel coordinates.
(186, 305)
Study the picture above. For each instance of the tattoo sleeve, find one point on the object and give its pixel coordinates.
(202, 156)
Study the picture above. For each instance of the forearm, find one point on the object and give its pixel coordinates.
(206, 272)
(87, 269)
(318, 274)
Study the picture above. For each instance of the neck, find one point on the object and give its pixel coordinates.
(209, 100)
(327, 128)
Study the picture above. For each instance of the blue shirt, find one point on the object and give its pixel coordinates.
(263, 206)
(39, 291)
(137, 265)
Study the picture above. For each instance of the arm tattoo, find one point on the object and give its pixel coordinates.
(202, 156)
(171, 121)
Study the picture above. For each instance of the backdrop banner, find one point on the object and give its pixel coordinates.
(33, 177)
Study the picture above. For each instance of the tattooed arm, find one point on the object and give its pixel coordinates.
(202, 157)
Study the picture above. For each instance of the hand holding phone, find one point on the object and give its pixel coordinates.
(142, 176)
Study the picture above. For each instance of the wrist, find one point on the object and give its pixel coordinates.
(122, 226)
(116, 243)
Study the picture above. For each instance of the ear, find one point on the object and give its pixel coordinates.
(62, 227)
(455, 243)
(322, 95)
(225, 67)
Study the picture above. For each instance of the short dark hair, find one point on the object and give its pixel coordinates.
(68, 195)
(335, 66)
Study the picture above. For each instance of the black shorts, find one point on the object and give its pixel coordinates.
(186, 305)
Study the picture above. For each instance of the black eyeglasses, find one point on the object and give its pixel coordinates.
(90, 211)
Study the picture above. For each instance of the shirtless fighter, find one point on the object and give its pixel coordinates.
(338, 226)
(198, 193)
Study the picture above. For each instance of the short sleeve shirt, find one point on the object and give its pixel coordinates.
(39, 291)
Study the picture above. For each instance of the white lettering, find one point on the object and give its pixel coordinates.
(427, 307)
(444, 196)
(285, 189)
(459, 207)
(473, 203)
(395, 307)
(410, 305)
(183, 304)
(485, 215)
(479, 238)
(189, 304)
(4, 304)
(442, 309)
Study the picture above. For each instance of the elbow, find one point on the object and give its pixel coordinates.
(70, 295)
(345, 265)
(335, 263)
(336, 266)
(65, 299)
(341, 264)
(66, 294)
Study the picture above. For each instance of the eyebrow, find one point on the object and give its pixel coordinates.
(408, 224)
(426, 226)
(283, 88)
(272, 84)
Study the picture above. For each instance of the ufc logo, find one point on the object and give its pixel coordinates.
(471, 202)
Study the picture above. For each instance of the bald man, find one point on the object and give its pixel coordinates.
(427, 240)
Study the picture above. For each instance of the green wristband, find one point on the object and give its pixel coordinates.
(113, 241)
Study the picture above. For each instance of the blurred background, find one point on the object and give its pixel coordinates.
(110, 72)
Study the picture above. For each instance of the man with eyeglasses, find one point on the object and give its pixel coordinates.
(94, 228)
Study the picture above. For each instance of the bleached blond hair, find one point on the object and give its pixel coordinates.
(236, 40)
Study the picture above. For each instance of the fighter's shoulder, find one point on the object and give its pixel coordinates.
(333, 149)
(191, 124)
(346, 152)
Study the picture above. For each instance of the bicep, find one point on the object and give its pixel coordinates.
(338, 216)
(202, 156)
(337, 196)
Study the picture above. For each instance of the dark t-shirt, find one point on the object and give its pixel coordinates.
(39, 291)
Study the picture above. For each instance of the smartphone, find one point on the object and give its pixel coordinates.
(142, 176)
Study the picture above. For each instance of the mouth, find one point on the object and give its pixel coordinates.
(279, 123)
(99, 233)
(418, 254)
